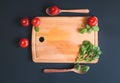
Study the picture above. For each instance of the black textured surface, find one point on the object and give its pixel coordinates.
(16, 64)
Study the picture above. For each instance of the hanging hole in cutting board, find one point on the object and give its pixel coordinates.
(41, 39)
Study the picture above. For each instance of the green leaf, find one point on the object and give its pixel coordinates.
(85, 42)
(96, 57)
(95, 28)
(82, 52)
(37, 29)
(89, 30)
(87, 47)
(83, 30)
(88, 59)
(87, 26)
(83, 47)
(90, 53)
(99, 52)
(77, 66)
(85, 68)
(97, 48)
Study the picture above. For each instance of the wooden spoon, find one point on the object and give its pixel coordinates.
(70, 11)
(63, 70)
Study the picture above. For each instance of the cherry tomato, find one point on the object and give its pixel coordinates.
(23, 43)
(25, 22)
(35, 21)
(93, 21)
(54, 10)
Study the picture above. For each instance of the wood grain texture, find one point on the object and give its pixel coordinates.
(61, 39)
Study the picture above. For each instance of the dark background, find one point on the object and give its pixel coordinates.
(16, 64)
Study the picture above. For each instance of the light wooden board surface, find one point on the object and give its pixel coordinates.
(61, 39)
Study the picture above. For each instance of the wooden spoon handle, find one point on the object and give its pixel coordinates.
(56, 70)
(76, 11)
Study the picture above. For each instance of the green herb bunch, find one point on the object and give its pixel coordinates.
(80, 67)
(89, 29)
(88, 52)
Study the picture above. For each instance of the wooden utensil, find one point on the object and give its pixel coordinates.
(63, 70)
(70, 11)
(83, 69)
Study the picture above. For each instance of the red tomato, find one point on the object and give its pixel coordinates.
(35, 21)
(23, 43)
(93, 21)
(25, 22)
(54, 10)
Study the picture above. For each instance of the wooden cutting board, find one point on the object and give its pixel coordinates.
(61, 39)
